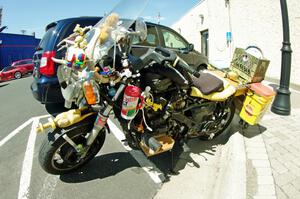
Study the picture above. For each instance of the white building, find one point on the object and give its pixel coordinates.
(256, 22)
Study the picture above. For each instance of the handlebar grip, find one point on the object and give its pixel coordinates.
(197, 74)
(188, 68)
(164, 51)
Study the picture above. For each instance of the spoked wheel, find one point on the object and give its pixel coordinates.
(18, 75)
(60, 157)
(222, 117)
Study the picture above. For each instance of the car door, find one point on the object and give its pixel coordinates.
(28, 64)
(21, 65)
(8, 72)
(175, 42)
(139, 47)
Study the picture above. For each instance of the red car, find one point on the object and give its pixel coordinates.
(17, 69)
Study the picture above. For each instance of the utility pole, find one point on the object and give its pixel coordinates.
(23, 32)
(282, 102)
(158, 18)
(1, 9)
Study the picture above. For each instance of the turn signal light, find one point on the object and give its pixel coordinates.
(90, 93)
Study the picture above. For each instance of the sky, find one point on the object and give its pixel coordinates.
(34, 15)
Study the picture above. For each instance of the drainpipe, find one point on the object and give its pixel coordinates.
(282, 102)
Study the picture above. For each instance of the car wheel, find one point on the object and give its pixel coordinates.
(18, 75)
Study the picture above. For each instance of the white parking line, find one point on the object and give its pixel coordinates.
(15, 132)
(155, 174)
(18, 130)
(27, 163)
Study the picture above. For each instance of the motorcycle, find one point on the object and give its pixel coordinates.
(157, 98)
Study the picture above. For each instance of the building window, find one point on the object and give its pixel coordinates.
(204, 42)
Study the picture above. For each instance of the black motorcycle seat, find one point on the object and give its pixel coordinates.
(208, 83)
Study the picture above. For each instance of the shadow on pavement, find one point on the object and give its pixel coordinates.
(13, 79)
(182, 154)
(102, 167)
(253, 131)
(169, 163)
(2, 85)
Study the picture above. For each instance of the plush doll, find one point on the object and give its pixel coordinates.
(109, 24)
(80, 41)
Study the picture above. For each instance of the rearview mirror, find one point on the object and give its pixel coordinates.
(141, 28)
(191, 47)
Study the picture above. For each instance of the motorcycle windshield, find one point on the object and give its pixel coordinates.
(104, 34)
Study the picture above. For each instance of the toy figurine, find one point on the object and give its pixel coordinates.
(63, 120)
(76, 38)
(109, 24)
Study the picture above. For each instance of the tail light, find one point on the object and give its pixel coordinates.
(91, 92)
(47, 64)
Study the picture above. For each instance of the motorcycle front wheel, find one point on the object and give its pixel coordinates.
(59, 157)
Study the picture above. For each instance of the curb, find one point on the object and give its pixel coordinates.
(227, 178)
(231, 183)
(258, 159)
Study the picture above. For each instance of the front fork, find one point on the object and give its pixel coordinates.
(101, 120)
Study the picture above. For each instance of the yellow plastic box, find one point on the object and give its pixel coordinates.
(255, 105)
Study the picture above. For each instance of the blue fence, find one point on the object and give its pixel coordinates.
(14, 47)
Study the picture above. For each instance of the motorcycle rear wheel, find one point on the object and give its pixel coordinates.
(228, 117)
(59, 157)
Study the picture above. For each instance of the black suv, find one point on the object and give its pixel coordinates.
(45, 87)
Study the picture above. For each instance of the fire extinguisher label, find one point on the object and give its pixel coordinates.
(132, 94)
(129, 107)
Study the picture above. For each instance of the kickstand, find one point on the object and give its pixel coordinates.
(244, 125)
(172, 171)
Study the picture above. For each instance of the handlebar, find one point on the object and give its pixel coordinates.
(161, 55)
(186, 67)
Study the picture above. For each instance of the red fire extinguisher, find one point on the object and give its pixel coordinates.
(132, 95)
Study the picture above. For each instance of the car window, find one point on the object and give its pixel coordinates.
(28, 62)
(173, 40)
(7, 68)
(68, 30)
(22, 62)
(15, 63)
(47, 36)
(83, 23)
(151, 40)
(19, 63)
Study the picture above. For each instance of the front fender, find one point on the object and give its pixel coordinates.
(86, 124)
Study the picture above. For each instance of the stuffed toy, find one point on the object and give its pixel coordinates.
(109, 24)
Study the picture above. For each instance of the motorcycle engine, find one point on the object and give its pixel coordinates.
(158, 83)
(159, 119)
(201, 115)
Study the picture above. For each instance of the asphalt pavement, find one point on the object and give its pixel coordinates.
(116, 171)
(259, 162)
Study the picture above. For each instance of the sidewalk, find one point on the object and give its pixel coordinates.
(261, 162)
(273, 155)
